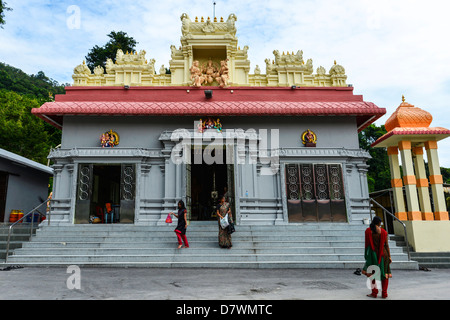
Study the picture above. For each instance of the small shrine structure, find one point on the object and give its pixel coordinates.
(426, 216)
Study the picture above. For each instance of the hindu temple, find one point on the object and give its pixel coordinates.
(281, 145)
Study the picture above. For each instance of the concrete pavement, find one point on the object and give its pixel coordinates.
(213, 284)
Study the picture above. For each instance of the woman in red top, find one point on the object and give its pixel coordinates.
(377, 254)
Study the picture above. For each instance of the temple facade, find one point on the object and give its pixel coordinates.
(282, 147)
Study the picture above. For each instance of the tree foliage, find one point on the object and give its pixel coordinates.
(445, 175)
(20, 131)
(97, 56)
(3, 8)
(379, 175)
(38, 85)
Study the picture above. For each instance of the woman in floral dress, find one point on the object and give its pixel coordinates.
(224, 237)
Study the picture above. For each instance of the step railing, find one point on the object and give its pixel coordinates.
(32, 212)
(386, 211)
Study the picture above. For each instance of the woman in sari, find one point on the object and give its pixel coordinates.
(377, 254)
(182, 225)
(223, 208)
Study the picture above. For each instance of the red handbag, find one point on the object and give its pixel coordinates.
(169, 219)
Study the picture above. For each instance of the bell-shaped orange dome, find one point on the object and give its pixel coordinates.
(408, 116)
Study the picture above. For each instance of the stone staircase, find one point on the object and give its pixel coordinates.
(290, 246)
(440, 260)
(20, 234)
(432, 260)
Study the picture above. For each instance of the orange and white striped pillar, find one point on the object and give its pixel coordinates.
(396, 183)
(436, 181)
(422, 185)
(409, 180)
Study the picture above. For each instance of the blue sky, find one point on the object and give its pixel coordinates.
(388, 47)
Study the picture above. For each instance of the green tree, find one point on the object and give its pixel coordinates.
(378, 175)
(20, 131)
(3, 8)
(16, 87)
(445, 174)
(37, 87)
(97, 56)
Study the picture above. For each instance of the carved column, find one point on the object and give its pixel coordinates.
(440, 208)
(363, 169)
(57, 169)
(178, 181)
(280, 219)
(169, 203)
(422, 184)
(188, 59)
(396, 183)
(145, 170)
(409, 180)
(231, 63)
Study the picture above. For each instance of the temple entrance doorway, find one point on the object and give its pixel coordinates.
(105, 193)
(207, 183)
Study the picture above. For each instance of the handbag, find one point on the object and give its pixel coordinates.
(224, 222)
(169, 219)
(231, 228)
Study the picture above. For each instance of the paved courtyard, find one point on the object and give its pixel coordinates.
(213, 284)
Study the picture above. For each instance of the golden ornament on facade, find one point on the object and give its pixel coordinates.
(309, 138)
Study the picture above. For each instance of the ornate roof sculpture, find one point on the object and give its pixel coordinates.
(209, 55)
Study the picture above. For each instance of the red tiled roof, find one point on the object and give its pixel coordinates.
(223, 108)
(438, 131)
(219, 108)
(185, 101)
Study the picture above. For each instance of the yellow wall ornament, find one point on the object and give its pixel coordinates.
(309, 138)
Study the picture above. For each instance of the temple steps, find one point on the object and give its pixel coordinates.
(19, 234)
(438, 260)
(286, 246)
